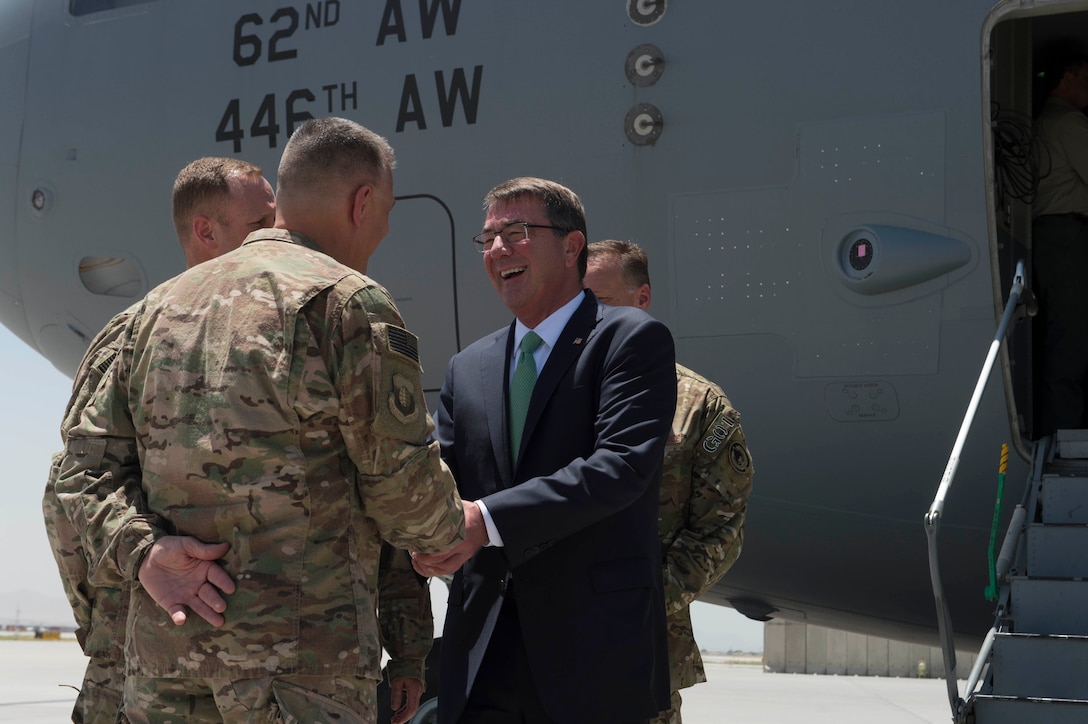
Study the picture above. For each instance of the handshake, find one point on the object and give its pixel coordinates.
(181, 572)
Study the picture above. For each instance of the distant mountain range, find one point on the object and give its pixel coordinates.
(28, 608)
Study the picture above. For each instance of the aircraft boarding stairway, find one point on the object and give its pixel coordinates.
(1033, 665)
(1036, 656)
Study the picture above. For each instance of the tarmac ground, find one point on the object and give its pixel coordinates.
(742, 693)
(38, 681)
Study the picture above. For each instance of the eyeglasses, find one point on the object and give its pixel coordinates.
(511, 234)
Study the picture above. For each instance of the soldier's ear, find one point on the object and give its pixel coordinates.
(359, 203)
(204, 231)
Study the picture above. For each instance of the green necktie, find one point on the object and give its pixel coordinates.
(521, 390)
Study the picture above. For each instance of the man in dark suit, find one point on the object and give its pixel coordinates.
(556, 612)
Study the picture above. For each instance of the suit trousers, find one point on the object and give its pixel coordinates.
(504, 691)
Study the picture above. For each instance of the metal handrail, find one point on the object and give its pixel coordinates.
(976, 670)
(1004, 563)
(1025, 510)
(933, 517)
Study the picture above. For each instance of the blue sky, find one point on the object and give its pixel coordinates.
(34, 395)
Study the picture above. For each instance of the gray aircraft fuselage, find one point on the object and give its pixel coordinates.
(813, 183)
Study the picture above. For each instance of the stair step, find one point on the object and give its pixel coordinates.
(1072, 444)
(1057, 551)
(1065, 500)
(1052, 667)
(1049, 606)
(1010, 710)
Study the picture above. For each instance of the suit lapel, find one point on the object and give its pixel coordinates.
(567, 351)
(493, 369)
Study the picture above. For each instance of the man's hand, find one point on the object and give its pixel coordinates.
(437, 564)
(404, 695)
(180, 572)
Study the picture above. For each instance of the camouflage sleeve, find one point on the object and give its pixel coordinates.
(404, 614)
(68, 551)
(406, 487)
(64, 539)
(99, 484)
(98, 359)
(713, 532)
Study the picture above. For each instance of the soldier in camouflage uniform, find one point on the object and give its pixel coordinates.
(217, 202)
(407, 630)
(272, 399)
(705, 482)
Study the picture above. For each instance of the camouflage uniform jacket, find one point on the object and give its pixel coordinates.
(99, 612)
(272, 399)
(705, 483)
(405, 619)
(404, 615)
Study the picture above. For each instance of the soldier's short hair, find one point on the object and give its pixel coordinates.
(561, 205)
(634, 265)
(203, 185)
(327, 152)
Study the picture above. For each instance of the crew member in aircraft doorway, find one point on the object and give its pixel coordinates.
(1060, 247)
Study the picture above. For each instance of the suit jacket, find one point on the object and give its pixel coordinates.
(578, 514)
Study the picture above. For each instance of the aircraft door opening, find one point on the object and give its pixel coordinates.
(1018, 47)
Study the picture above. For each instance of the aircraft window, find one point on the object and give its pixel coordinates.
(861, 254)
(86, 7)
